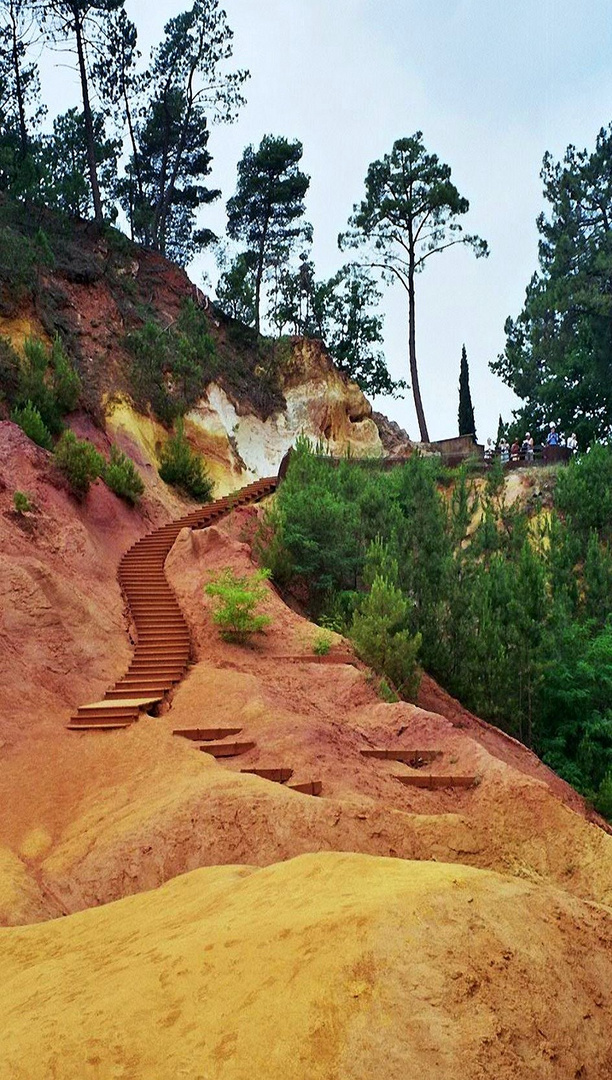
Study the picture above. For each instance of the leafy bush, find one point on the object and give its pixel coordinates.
(237, 599)
(10, 372)
(603, 799)
(382, 642)
(122, 477)
(184, 469)
(322, 644)
(584, 492)
(80, 462)
(172, 365)
(48, 380)
(22, 502)
(30, 421)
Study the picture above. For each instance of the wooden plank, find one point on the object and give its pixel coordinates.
(202, 734)
(436, 783)
(227, 749)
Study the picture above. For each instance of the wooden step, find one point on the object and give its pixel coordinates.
(222, 749)
(124, 713)
(435, 783)
(92, 726)
(308, 787)
(142, 701)
(134, 693)
(212, 733)
(415, 758)
(278, 776)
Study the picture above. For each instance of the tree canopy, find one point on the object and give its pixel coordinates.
(267, 210)
(410, 212)
(558, 354)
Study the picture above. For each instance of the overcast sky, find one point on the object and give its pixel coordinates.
(491, 85)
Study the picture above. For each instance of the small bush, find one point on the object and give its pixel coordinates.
(49, 381)
(80, 462)
(380, 639)
(10, 371)
(237, 599)
(322, 644)
(184, 469)
(603, 799)
(30, 421)
(122, 477)
(22, 502)
(386, 694)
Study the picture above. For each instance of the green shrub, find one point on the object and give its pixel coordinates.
(380, 639)
(30, 421)
(80, 462)
(184, 469)
(10, 372)
(172, 365)
(603, 799)
(237, 599)
(322, 644)
(49, 381)
(122, 477)
(386, 694)
(22, 502)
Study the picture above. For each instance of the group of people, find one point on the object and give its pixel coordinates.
(525, 451)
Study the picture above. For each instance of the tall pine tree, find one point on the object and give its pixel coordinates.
(467, 425)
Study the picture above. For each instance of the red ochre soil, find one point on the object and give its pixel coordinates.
(89, 818)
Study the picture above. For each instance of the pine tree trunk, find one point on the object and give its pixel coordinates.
(23, 131)
(414, 375)
(89, 130)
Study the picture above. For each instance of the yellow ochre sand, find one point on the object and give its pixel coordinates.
(326, 966)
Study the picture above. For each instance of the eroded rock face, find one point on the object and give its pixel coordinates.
(321, 404)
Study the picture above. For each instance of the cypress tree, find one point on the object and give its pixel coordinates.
(467, 425)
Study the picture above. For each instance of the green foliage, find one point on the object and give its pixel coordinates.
(29, 419)
(122, 477)
(46, 380)
(266, 210)
(467, 425)
(79, 461)
(237, 599)
(602, 800)
(65, 184)
(183, 468)
(557, 353)
(22, 502)
(584, 493)
(172, 365)
(513, 618)
(409, 213)
(322, 644)
(186, 87)
(236, 289)
(381, 639)
(10, 371)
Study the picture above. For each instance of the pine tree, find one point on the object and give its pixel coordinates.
(410, 212)
(265, 212)
(467, 425)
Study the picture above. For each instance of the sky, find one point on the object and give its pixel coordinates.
(492, 86)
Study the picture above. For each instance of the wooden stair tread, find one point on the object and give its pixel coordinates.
(204, 734)
(117, 704)
(308, 787)
(278, 776)
(222, 749)
(436, 782)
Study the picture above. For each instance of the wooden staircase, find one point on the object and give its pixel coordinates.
(163, 648)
